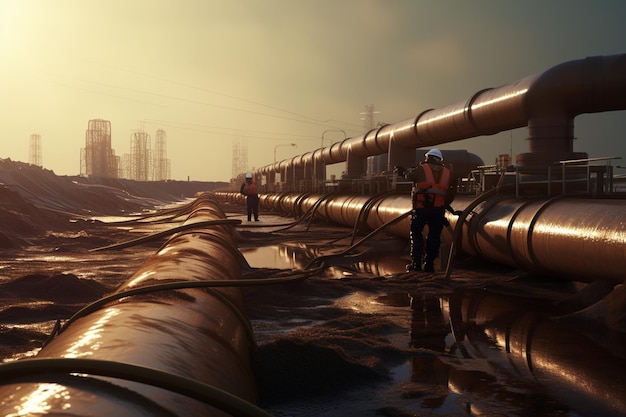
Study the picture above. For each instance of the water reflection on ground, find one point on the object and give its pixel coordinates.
(297, 256)
(276, 256)
(499, 350)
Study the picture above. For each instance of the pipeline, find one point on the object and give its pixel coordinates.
(547, 103)
(575, 237)
(569, 236)
(176, 351)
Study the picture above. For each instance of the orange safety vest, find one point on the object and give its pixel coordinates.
(249, 188)
(430, 193)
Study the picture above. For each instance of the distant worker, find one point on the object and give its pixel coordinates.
(248, 188)
(434, 188)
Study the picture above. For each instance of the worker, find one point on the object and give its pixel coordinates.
(433, 189)
(248, 188)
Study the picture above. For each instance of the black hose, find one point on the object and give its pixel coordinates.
(178, 285)
(359, 243)
(364, 212)
(168, 232)
(197, 390)
(308, 217)
(96, 305)
(313, 210)
(456, 235)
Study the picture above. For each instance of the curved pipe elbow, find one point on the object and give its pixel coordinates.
(591, 85)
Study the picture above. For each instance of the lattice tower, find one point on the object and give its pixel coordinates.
(240, 156)
(97, 158)
(368, 117)
(140, 156)
(161, 164)
(34, 155)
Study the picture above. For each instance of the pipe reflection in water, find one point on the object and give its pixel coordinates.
(384, 262)
(277, 256)
(503, 355)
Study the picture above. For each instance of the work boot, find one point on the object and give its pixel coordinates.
(413, 267)
(429, 267)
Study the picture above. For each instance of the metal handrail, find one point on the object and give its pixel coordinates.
(608, 186)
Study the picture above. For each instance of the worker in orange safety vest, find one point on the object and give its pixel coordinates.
(434, 188)
(248, 188)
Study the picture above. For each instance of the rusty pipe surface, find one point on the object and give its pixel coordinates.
(570, 237)
(547, 103)
(194, 333)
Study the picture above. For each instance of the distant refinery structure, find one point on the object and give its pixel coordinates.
(161, 165)
(34, 154)
(140, 168)
(98, 159)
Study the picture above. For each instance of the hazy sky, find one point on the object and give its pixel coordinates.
(263, 73)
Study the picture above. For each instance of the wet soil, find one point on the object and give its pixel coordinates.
(360, 337)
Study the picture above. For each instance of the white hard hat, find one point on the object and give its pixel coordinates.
(248, 175)
(436, 153)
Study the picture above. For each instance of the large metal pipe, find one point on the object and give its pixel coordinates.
(196, 333)
(547, 103)
(573, 237)
(568, 236)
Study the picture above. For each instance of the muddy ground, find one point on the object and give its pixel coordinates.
(361, 338)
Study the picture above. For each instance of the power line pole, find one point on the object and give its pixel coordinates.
(240, 156)
(368, 117)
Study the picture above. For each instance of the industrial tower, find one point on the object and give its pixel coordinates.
(34, 156)
(369, 123)
(161, 164)
(140, 168)
(97, 158)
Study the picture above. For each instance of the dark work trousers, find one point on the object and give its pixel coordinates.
(252, 204)
(434, 218)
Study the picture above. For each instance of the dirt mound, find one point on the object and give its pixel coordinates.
(36, 313)
(20, 218)
(61, 288)
(34, 200)
(292, 369)
(24, 339)
(94, 195)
